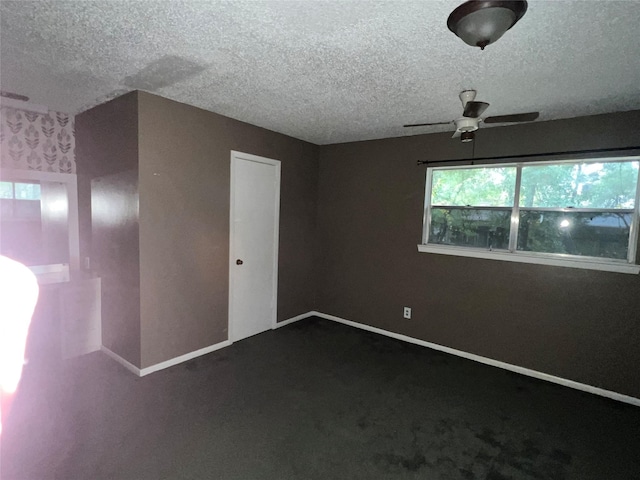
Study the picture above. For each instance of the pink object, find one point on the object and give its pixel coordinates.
(18, 296)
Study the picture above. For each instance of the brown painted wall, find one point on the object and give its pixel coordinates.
(107, 156)
(108, 143)
(582, 325)
(184, 223)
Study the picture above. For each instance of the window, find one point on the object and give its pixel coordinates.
(39, 222)
(580, 213)
(20, 191)
(20, 201)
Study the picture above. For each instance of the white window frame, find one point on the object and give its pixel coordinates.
(512, 254)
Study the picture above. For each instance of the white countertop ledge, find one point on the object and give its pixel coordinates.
(617, 267)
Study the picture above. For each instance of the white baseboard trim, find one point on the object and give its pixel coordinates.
(188, 356)
(126, 364)
(487, 361)
(141, 372)
(183, 358)
(470, 356)
(294, 319)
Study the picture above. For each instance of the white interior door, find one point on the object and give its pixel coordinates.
(253, 259)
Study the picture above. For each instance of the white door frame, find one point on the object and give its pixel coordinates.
(235, 158)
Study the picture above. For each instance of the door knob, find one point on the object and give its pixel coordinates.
(239, 262)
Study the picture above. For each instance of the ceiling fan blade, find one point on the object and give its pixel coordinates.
(474, 109)
(426, 124)
(516, 117)
(456, 134)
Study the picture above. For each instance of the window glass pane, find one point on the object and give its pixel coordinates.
(480, 228)
(479, 187)
(588, 234)
(6, 190)
(580, 185)
(27, 191)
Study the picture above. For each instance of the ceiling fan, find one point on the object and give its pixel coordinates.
(470, 120)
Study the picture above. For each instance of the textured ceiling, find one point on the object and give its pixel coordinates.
(322, 71)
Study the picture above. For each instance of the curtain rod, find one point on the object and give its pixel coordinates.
(531, 155)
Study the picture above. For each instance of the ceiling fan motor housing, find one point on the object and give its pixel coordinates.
(466, 124)
(467, 96)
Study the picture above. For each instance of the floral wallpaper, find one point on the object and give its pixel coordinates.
(36, 141)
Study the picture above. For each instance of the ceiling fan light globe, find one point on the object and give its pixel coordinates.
(467, 137)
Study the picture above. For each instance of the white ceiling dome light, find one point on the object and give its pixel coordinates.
(482, 22)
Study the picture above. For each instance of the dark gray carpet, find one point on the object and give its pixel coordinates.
(313, 400)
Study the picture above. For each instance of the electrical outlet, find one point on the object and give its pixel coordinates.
(407, 312)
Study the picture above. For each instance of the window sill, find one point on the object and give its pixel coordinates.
(47, 274)
(618, 267)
